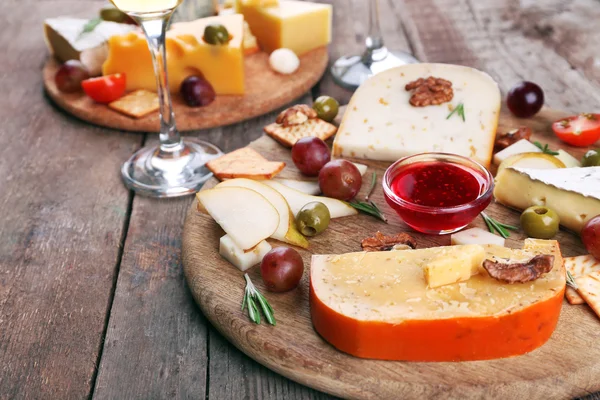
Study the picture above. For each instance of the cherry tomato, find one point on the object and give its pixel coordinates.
(105, 89)
(579, 130)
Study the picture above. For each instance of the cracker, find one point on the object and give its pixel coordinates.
(579, 266)
(289, 135)
(589, 289)
(136, 104)
(244, 163)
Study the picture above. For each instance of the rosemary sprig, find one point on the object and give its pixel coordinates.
(89, 27)
(373, 183)
(253, 296)
(571, 281)
(495, 226)
(369, 208)
(545, 149)
(460, 110)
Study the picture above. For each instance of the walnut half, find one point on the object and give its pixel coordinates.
(429, 91)
(296, 115)
(381, 242)
(519, 272)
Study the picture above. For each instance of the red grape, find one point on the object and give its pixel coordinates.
(310, 154)
(340, 179)
(281, 269)
(525, 99)
(69, 76)
(197, 91)
(590, 235)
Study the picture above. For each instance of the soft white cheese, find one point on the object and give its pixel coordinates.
(380, 124)
(475, 236)
(236, 255)
(522, 146)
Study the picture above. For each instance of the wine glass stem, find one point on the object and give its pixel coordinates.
(155, 31)
(374, 38)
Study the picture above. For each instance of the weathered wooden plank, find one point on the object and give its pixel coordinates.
(63, 208)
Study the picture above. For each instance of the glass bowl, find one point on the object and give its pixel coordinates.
(443, 219)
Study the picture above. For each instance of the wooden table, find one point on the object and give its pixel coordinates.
(92, 297)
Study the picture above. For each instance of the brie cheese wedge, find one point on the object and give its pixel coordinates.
(381, 124)
(573, 193)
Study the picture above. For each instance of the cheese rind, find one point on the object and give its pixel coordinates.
(238, 257)
(187, 54)
(300, 26)
(573, 193)
(377, 305)
(380, 124)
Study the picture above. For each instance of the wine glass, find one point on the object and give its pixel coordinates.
(350, 71)
(175, 167)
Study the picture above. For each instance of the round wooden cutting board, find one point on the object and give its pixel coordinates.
(567, 366)
(266, 91)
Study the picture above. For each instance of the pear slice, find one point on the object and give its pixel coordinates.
(308, 187)
(362, 168)
(567, 159)
(286, 231)
(297, 200)
(244, 214)
(531, 160)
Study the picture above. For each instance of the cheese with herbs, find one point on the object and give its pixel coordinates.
(378, 305)
(381, 124)
(573, 193)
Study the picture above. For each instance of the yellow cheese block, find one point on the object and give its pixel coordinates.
(454, 264)
(297, 25)
(187, 54)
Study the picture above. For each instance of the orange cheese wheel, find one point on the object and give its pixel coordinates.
(522, 327)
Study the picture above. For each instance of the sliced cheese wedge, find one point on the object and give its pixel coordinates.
(380, 124)
(241, 259)
(573, 193)
(377, 305)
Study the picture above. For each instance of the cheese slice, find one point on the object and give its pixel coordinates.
(476, 236)
(573, 193)
(522, 146)
(238, 257)
(187, 54)
(378, 305)
(66, 41)
(454, 264)
(380, 124)
(300, 26)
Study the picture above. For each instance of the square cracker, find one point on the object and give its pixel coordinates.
(289, 135)
(136, 104)
(244, 163)
(579, 266)
(589, 289)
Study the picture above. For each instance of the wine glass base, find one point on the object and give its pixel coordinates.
(150, 174)
(351, 71)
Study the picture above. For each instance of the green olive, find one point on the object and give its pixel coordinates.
(113, 15)
(540, 222)
(591, 159)
(326, 107)
(216, 34)
(313, 218)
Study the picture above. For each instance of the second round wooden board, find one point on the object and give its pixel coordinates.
(568, 365)
(266, 90)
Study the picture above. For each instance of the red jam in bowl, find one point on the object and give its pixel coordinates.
(437, 193)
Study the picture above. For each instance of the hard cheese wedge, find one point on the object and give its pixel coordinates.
(380, 124)
(187, 54)
(574, 193)
(377, 305)
(238, 257)
(297, 25)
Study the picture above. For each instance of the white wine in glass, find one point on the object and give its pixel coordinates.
(350, 71)
(175, 167)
